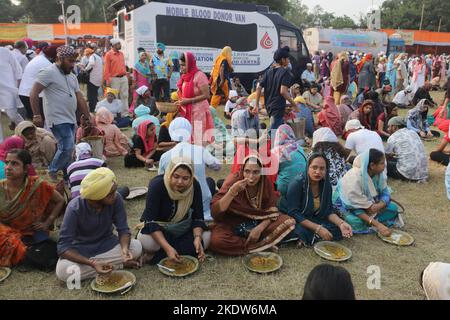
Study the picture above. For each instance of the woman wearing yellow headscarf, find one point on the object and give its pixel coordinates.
(173, 222)
(220, 76)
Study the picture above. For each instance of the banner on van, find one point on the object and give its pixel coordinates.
(204, 31)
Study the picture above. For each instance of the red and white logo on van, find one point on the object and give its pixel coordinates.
(266, 42)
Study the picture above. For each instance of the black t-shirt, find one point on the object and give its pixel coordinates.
(164, 135)
(273, 80)
(138, 143)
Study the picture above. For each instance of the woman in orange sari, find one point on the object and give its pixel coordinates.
(28, 208)
(245, 213)
(220, 76)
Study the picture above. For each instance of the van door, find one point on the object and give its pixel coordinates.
(299, 54)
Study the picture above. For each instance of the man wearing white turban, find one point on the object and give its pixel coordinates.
(87, 241)
(180, 131)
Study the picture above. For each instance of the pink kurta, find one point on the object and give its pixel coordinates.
(202, 119)
(140, 81)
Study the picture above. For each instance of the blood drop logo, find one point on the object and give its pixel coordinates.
(266, 42)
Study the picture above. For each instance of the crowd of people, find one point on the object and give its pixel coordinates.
(291, 181)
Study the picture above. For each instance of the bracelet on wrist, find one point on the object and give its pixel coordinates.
(318, 229)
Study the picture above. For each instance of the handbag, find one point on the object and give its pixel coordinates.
(42, 256)
(177, 229)
(83, 76)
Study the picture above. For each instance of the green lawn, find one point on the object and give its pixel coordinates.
(427, 218)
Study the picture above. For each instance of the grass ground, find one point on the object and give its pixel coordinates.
(427, 218)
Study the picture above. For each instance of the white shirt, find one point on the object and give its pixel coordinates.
(10, 74)
(201, 158)
(363, 140)
(30, 73)
(115, 107)
(229, 106)
(402, 98)
(21, 58)
(96, 75)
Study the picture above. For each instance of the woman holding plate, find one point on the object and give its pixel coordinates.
(173, 223)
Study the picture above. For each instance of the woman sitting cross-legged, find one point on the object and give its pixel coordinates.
(245, 213)
(173, 217)
(309, 202)
(86, 240)
(364, 197)
(144, 147)
(28, 208)
(116, 143)
(291, 160)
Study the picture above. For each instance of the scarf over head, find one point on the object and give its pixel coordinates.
(332, 115)
(65, 52)
(324, 135)
(97, 184)
(186, 85)
(141, 90)
(9, 144)
(104, 116)
(285, 143)
(367, 58)
(225, 55)
(337, 77)
(83, 151)
(115, 92)
(241, 204)
(184, 198)
(144, 70)
(149, 143)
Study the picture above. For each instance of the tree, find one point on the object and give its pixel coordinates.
(9, 11)
(406, 14)
(280, 6)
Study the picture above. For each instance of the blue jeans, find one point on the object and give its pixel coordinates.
(65, 137)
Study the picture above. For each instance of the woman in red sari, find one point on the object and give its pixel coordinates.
(193, 93)
(245, 213)
(28, 208)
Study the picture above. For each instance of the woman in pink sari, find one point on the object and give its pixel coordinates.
(141, 76)
(193, 93)
(330, 116)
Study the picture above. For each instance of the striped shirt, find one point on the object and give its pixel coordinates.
(80, 169)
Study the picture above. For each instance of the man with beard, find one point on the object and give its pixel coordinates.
(62, 99)
(115, 73)
(162, 68)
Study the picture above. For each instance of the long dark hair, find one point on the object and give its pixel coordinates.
(375, 156)
(23, 155)
(327, 282)
(321, 147)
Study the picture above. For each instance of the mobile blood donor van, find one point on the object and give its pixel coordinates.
(204, 28)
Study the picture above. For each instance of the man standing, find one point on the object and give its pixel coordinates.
(402, 74)
(162, 69)
(10, 76)
(115, 73)
(20, 49)
(62, 99)
(42, 61)
(276, 84)
(94, 67)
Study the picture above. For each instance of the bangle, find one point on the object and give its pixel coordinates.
(318, 229)
(37, 116)
(370, 221)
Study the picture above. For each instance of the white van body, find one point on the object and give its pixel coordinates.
(337, 40)
(167, 22)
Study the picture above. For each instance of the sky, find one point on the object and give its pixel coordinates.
(351, 8)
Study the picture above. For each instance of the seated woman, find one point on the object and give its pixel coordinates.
(9, 144)
(345, 109)
(383, 119)
(364, 197)
(173, 216)
(326, 142)
(363, 114)
(40, 143)
(291, 161)
(86, 239)
(114, 106)
(309, 202)
(116, 143)
(417, 121)
(144, 98)
(245, 213)
(441, 154)
(28, 208)
(143, 113)
(330, 116)
(143, 152)
(223, 146)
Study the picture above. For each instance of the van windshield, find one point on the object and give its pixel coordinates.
(206, 33)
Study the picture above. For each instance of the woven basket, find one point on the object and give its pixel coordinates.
(166, 107)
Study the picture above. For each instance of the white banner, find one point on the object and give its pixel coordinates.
(40, 32)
